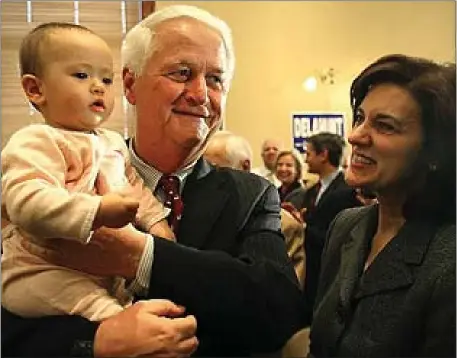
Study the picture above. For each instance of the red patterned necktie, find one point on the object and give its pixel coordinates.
(170, 186)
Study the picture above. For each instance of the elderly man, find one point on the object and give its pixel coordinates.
(226, 149)
(270, 150)
(229, 267)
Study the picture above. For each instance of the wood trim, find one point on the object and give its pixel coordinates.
(147, 8)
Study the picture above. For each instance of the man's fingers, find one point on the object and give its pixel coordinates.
(161, 307)
(187, 346)
(187, 326)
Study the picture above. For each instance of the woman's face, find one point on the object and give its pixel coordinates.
(386, 139)
(286, 170)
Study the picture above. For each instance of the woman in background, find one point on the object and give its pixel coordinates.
(387, 284)
(289, 170)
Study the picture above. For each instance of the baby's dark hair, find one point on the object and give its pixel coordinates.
(33, 45)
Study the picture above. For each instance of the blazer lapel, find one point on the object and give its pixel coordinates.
(336, 304)
(393, 268)
(353, 255)
(203, 198)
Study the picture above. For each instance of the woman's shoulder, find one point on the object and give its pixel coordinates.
(348, 218)
(296, 196)
(442, 248)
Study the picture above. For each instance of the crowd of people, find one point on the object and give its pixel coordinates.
(167, 245)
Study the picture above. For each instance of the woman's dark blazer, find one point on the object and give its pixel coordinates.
(404, 303)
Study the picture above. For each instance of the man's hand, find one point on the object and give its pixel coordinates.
(109, 252)
(148, 328)
(115, 211)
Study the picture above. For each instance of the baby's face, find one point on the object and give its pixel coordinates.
(77, 81)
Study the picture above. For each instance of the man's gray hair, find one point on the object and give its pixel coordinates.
(139, 44)
(238, 149)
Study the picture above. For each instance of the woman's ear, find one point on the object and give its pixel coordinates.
(128, 78)
(33, 88)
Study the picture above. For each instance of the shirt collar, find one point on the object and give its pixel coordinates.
(151, 175)
(325, 182)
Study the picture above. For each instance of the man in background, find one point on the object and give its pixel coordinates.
(226, 149)
(269, 152)
(323, 201)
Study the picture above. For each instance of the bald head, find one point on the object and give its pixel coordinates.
(226, 149)
(270, 149)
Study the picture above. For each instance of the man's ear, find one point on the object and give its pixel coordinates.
(324, 155)
(128, 78)
(246, 165)
(33, 88)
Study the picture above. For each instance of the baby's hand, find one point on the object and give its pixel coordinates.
(162, 230)
(115, 211)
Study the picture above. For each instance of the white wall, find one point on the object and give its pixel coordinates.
(279, 43)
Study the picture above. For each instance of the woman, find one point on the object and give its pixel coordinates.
(387, 285)
(288, 169)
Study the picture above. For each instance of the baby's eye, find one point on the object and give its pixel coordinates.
(108, 81)
(80, 75)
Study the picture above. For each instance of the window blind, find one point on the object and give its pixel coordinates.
(109, 19)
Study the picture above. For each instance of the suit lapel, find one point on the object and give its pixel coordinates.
(203, 198)
(336, 183)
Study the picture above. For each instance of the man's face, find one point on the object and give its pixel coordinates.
(181, 93)
(314, 160)
(270, 151)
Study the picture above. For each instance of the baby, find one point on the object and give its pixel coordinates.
(67, 177)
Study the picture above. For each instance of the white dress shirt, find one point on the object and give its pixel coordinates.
(267, 174)
(151, 177)
(325, 183)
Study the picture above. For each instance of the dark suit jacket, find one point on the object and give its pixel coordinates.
(240, 284)
(404, 303)
(337, 197)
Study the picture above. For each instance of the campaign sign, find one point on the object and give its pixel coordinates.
(308, 124)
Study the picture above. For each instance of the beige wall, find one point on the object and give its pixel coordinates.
(279, 43)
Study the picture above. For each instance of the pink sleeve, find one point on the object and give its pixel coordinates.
(151, 210)
(33, 187)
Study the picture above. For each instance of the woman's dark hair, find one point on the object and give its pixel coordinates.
(432, 85)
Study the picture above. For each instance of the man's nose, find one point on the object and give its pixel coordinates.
(197, 90)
